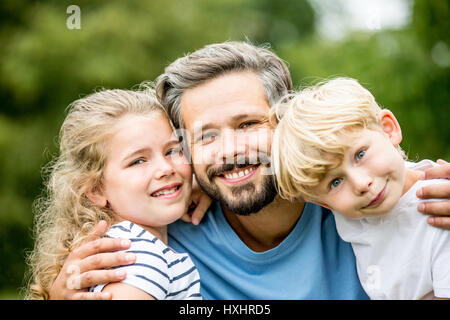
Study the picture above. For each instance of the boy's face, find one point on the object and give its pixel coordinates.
(370, 179)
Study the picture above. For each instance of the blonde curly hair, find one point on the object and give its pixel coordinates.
(64, 216)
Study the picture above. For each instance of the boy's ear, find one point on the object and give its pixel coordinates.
(390, 126)
(95, 195)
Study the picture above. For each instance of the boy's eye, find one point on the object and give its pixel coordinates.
(335, 183)
(360, 154)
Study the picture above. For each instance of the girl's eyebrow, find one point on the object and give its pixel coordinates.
(134, 153)
(147, 149)
(172, 142)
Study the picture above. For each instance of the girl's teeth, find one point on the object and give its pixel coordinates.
(164, 192)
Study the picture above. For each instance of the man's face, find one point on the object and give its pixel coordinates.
(229, 135)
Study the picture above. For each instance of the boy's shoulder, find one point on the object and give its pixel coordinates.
(424, 165)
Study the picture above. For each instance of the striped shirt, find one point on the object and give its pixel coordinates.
(159, 270)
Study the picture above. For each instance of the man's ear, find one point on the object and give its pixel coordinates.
(95, 195)
(390, 126)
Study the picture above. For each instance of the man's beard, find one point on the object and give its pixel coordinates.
(244, 199)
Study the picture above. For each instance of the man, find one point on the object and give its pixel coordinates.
(251, 243)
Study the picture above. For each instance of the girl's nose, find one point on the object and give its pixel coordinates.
(163, 168)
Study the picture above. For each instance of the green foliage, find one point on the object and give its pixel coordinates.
(44, 66)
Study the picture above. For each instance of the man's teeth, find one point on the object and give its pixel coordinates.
(239, 174)
(164, 192)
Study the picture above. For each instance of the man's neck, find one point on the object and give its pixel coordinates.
(267, 228)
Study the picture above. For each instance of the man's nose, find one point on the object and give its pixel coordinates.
(232, 146)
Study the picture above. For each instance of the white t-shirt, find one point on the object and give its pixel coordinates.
(158, 270)
(399, 255)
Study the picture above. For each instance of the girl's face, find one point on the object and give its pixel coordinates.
(147, 179)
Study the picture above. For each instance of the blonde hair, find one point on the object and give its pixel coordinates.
(308, 140)
(64, 216)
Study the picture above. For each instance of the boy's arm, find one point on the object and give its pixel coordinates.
(440, 211)
(123, 291)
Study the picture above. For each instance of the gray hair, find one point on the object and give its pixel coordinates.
(215, 60)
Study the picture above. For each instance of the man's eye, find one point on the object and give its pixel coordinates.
(247, 124)
(335, 183)
(360, 154)
(208, 137)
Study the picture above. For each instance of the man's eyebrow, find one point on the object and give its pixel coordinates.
(204, 127)
(235, 118)
(249, 115)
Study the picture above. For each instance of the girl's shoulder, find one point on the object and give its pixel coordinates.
(141, 239)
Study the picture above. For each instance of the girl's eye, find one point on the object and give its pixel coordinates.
(176, 151)
(360, 154)
(137, 162)
(335, 183)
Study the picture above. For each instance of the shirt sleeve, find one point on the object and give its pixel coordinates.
(149, 273)
(440, 264)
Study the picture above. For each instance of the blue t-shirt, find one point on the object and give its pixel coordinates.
(312, 262)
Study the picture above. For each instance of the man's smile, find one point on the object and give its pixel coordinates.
(238, 175)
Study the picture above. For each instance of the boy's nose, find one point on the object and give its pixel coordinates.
(361, 183)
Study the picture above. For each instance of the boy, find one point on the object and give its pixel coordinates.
(336, 147)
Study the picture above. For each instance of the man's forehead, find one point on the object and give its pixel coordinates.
(228, 96)
(214, 119)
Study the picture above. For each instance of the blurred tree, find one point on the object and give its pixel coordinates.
(44, 66)
(431, 25)
(431, 22)
(283, 21)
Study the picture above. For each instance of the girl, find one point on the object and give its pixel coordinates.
(119, 162)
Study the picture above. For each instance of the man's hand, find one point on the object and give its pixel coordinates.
(85, 267)
(200, 203)
(440, 210)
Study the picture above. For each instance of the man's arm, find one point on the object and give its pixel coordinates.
(86, 266)
(440, 211)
